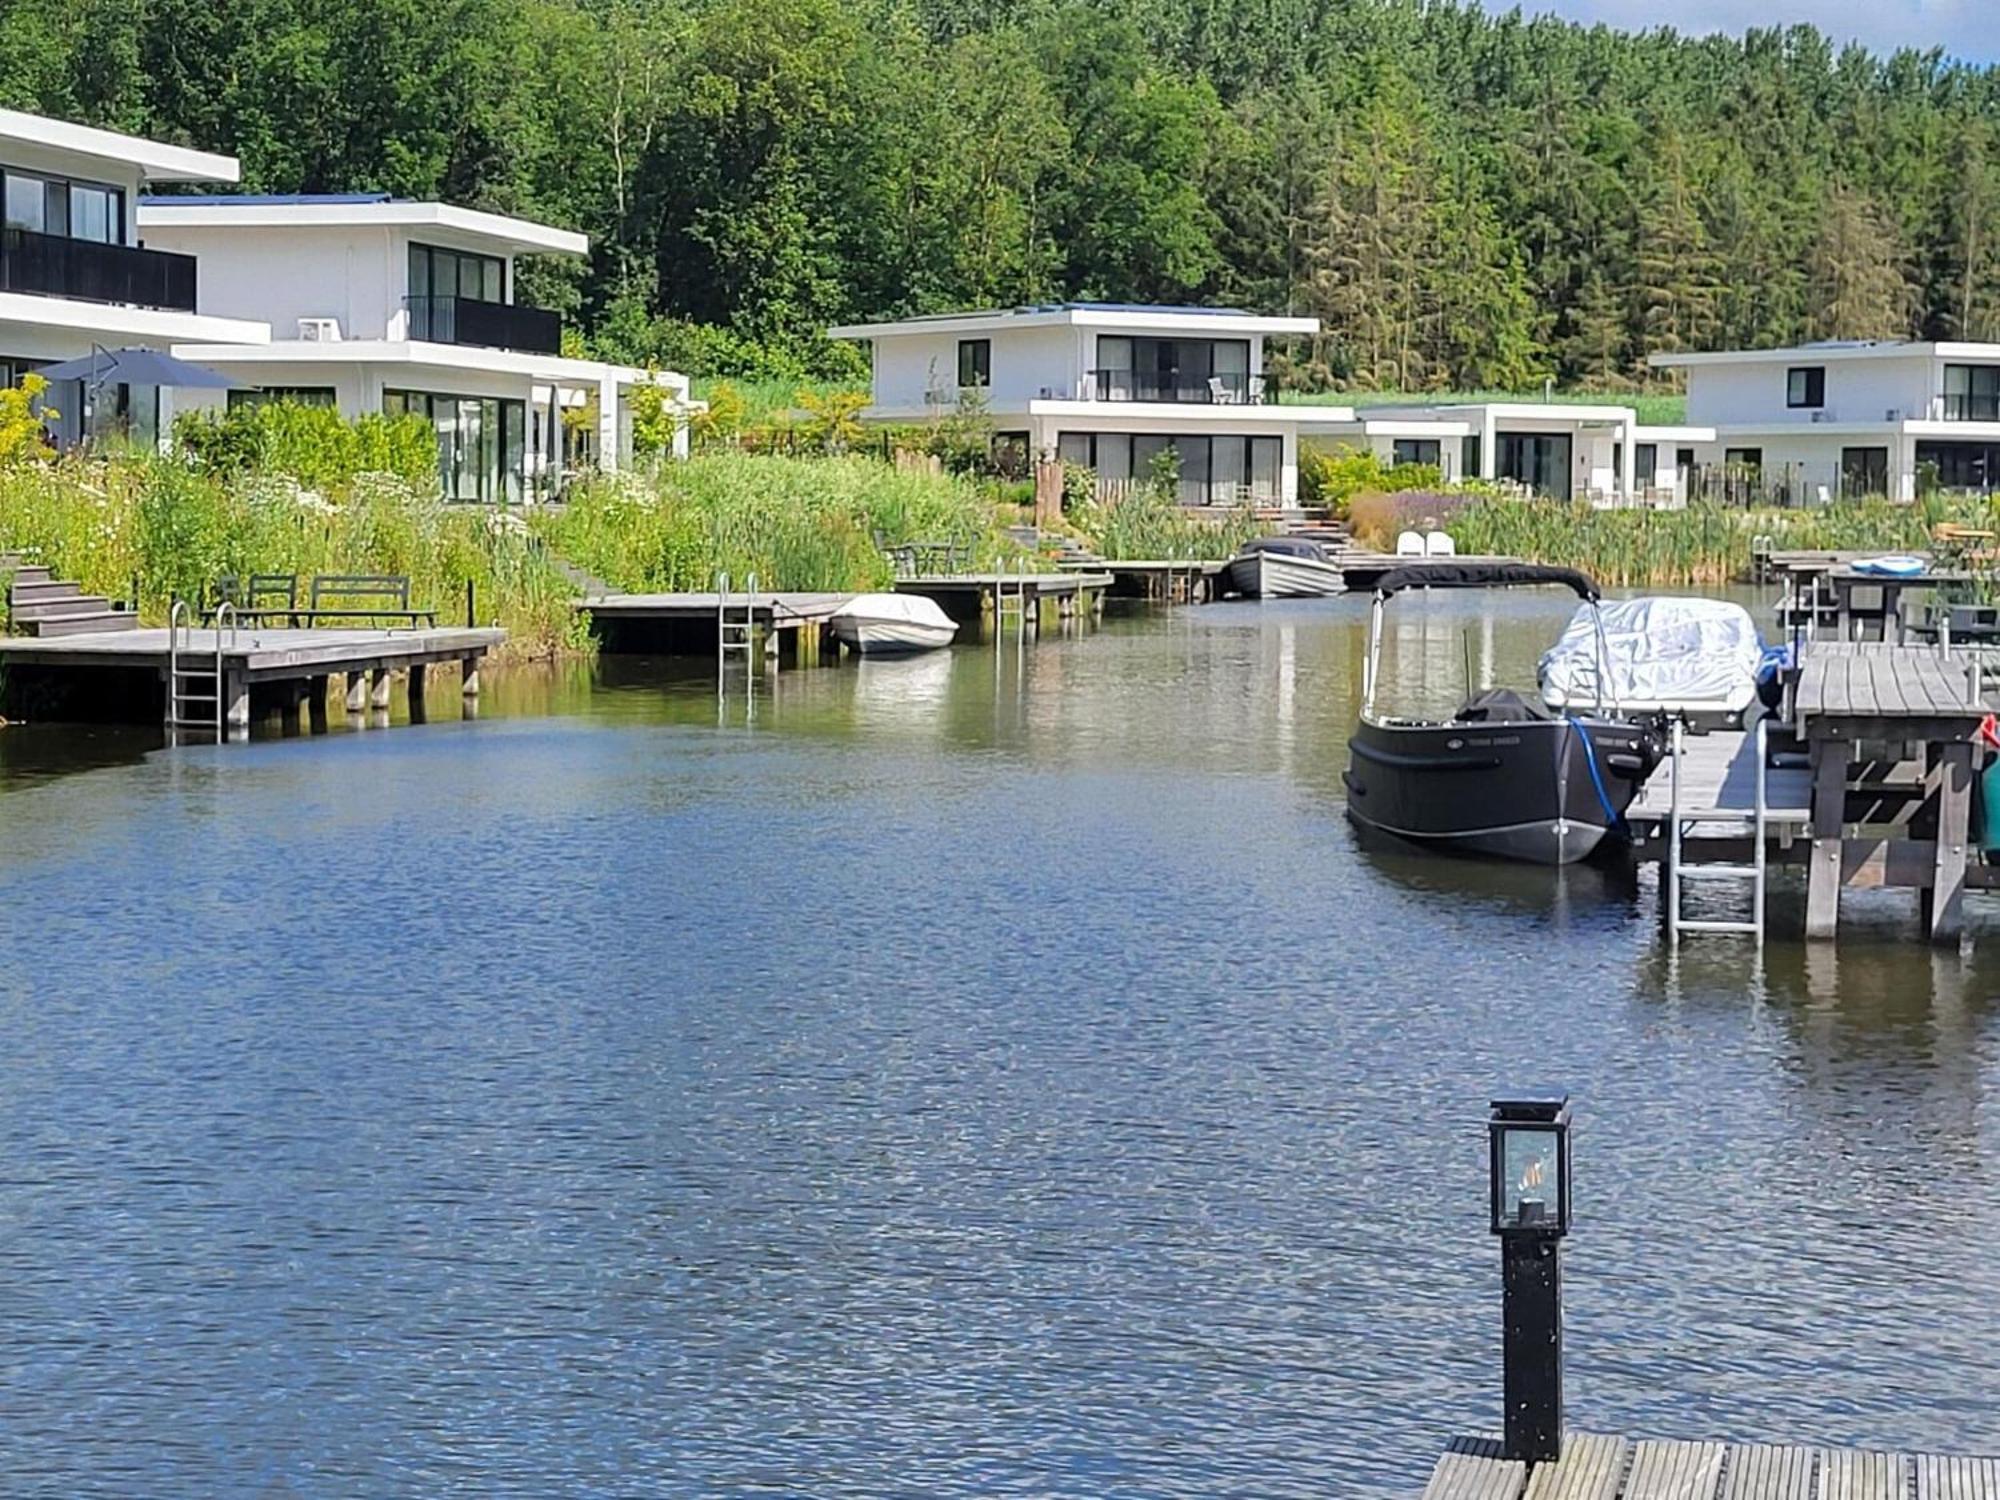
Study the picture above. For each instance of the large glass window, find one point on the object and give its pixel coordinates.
(27, 199)
(1468, 457)
(58, 206)
(1806, 386)
(1224, 470)
(1972, 393)
(1864, 471)
(482, 442)
(295, 395)
(440, 278)
(1960, 466)
(1645, 464)
(1140, 369)
(1539, 460)
(1419, 451)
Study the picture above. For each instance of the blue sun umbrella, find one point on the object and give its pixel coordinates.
(138, 367)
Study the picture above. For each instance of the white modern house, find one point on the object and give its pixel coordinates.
(381, 305)
(1565, 450)
(1110, 387)
(1821, 420)
(75, 276)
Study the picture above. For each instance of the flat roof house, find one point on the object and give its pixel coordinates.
(380, 305)
(1848, 418)
(73, 273)
(1108, 386)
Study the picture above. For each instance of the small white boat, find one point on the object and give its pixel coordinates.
(1696, 659)
(1282, 567)
(880, 624)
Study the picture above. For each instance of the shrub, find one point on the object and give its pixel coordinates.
(313, 444)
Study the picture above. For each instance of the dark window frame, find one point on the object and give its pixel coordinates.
(492, 486)
(976, 372)
(1411, 450)
(1979, 401)
(1870, 461)
(1813, 397)
(1135, 470)
(56, 184)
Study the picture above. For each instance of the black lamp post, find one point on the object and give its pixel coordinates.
(1530, 1186)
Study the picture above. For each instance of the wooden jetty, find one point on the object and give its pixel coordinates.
(969, 597)
(1161, 580)
(125, 674)
(1875, 790)
(790, 625)
(1616, 1468)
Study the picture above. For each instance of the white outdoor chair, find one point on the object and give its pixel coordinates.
(1439, 544)
(1409, 544)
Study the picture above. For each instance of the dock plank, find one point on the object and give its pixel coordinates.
(1767, 1471)
(1472, 1469)
(1941, 1478)
(1589, 1469)
(1674, 1471)
(1849, 1474)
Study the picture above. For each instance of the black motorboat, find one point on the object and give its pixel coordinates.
(1505, 776)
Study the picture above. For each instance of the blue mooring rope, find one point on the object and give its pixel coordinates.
(1596, 777)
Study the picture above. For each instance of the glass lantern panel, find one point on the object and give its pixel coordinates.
(1528, 1183)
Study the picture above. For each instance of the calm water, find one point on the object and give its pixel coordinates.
(966, 1079)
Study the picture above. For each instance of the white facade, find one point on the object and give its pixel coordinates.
(1108, 387)
(379, 305)
(74, 275)
(1820, 420)
(1563, 449)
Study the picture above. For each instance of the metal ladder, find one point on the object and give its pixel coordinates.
(1680, 820)
(1020, 597)
(180, 695)
(735, 630)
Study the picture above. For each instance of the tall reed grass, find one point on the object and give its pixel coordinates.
(1700, 545)
(797, 523)
(138, 520)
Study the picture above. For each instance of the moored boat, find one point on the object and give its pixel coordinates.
(1505, 776)
(885, 624)
(1282, 567)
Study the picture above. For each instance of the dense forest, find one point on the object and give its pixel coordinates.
(1463, 198)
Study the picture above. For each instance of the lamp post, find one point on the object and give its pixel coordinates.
(1530, 1203)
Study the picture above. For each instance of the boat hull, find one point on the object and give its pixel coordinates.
(1279, 575)
(890, 637)
(1520, 790)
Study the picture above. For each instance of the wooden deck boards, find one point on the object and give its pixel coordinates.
(779, 609)
(1872, 680)
(260, 653)
(1611, 1468)
(1719, 775)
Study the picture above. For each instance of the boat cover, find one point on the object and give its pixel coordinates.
(1446, 573)
(894, 609)
(1667, 655)
(1502, 706)
(1290, 546)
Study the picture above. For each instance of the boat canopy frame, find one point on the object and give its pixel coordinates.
(1482, 575)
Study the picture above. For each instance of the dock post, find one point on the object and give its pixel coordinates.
(1829, 821)
(469, 677)
(417, 676)
(380, 697)
(316, 703)
(357, 691)
(1944, 899)
(292, 694)
(236, 700)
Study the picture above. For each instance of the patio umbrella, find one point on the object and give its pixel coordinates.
(138, 367)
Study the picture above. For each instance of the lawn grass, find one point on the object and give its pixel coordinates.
(1655, 408)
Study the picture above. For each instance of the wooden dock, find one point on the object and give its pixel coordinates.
(1616, 1468)
(1160, 580)
(1883, 798)
(790, 625)
(123, 674)
(979, 597)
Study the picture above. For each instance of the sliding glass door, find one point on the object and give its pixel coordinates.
(1539, 460)
(482, 442)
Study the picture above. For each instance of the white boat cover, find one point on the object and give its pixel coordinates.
(894, 609)
(1667, 654)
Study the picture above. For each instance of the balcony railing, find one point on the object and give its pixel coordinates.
(1969, 406)
(1211, 390)
(52, 265)
(487, 325)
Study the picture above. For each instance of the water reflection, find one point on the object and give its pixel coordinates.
(995, 1072)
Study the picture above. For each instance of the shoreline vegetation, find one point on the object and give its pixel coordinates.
(283, 489)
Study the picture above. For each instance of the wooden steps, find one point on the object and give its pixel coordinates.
(40, 605)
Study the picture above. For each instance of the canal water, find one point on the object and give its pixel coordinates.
(989, 1074)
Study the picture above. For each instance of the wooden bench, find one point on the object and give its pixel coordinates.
(380, 596)
(264, 598)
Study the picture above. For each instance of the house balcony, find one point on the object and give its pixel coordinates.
(1206, 390)
(53, 265)
(484, 325)
(1966, 406)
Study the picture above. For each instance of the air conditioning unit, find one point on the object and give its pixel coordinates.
(1893, 414)
(319, 330)
(1822, 416)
